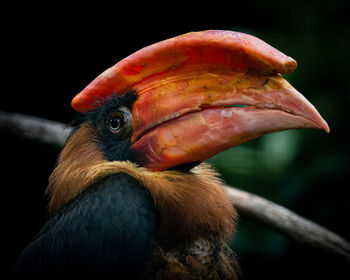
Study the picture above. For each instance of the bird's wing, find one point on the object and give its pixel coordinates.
(109, 228)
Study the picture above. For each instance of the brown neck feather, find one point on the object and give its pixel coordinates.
(190, 205)
(70, 176)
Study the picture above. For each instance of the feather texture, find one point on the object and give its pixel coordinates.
(195, 218)
(108, 229)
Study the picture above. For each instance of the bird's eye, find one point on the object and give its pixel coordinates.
(115, 123)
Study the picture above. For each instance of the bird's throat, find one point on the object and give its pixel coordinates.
(190, 204)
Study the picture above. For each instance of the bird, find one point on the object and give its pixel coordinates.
(131, 196)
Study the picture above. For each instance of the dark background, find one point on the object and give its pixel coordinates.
(50, 53)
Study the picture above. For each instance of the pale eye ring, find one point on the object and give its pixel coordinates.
(115, 123)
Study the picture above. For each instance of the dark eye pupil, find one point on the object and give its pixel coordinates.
(115, 123)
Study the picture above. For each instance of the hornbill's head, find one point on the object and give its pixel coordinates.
(178, 102)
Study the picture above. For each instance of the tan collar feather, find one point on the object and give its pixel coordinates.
(190, 204)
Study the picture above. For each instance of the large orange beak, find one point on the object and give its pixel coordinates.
(202, 93)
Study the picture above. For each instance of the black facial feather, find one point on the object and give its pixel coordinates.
(111, 125)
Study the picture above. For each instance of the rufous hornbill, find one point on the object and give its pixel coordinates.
(130, 196)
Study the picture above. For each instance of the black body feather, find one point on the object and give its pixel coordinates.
(105, 232)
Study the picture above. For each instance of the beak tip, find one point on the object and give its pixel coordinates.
(323, 125)
(326, 128)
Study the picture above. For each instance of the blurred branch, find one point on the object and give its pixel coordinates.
(258, 208)
(288, 222)
(34, 128)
